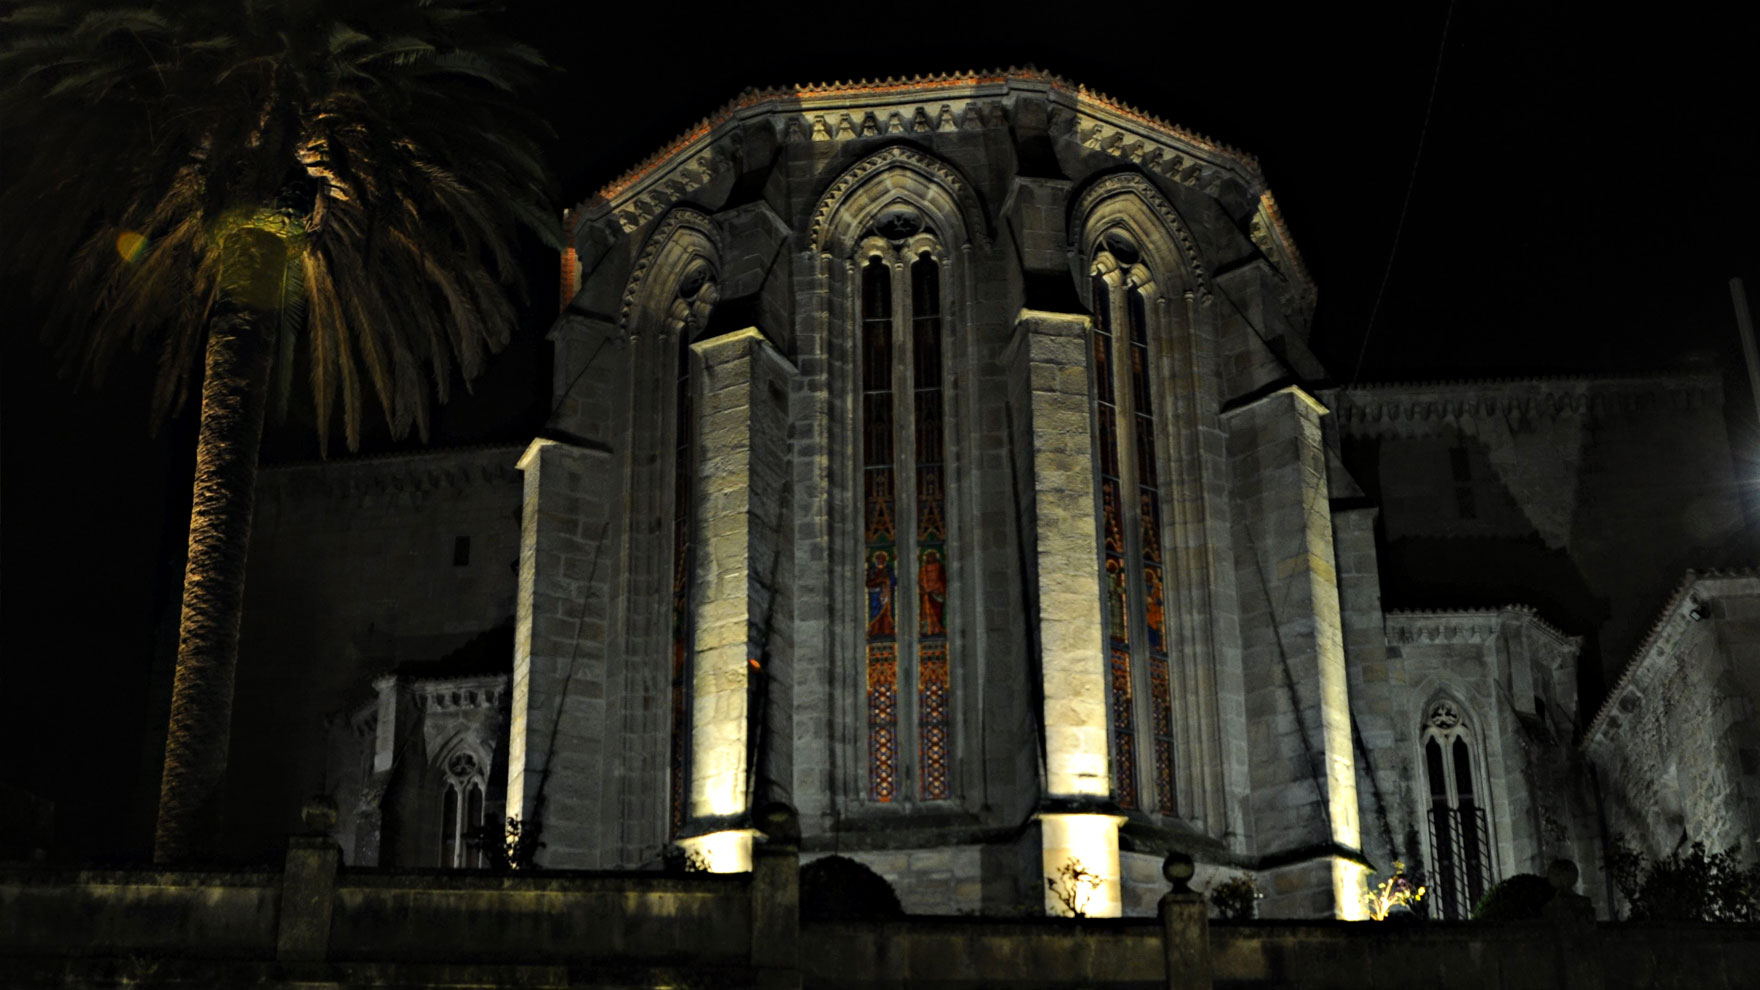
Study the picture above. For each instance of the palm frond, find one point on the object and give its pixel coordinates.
(293, 320)
(390, 133)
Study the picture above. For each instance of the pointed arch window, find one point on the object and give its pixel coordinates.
(905, 569)
(1133, 567)
(1459, 832)
(461, 812)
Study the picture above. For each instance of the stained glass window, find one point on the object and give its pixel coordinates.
(932, 672)
(1115, 588)
(1150, 563)
(1134, 585)
(879, 531)
(906, 568)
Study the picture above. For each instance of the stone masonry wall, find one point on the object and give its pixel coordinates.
(1303, 779)
(1677, 744)
(356, 567)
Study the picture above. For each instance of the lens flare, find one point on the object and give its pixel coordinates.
(131, 246)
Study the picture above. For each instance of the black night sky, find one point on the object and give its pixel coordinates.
(1585, 190)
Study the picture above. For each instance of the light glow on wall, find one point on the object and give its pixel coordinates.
(1349, 881)
(721, 852)
(1090, 840)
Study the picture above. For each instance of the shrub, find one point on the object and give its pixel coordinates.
(1516, 898)
(1235, 899)
(1394, 897)
(1690, 886)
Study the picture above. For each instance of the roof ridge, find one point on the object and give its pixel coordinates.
(1688, 580)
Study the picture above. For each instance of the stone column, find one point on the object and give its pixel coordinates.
(1304, 775)
(557, 773)
(741, 472)
(1050, 354)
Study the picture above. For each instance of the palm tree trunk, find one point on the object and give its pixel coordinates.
(234, 396)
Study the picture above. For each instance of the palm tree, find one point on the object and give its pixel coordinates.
(265, 184)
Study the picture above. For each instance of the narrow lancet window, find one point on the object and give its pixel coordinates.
(1460, 836)
(933, 687)
(1151, 564)
(1116, 584)
(449, 827)
(879, 531)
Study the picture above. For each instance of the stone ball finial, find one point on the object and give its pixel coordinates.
(318, 815)
(1178, 868)
(779, 822)
(1563, 875)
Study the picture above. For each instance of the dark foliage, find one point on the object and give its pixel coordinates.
(505, 848)
(1690, 886)
(1517, 898)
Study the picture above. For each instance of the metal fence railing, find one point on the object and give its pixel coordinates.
(1460, 841)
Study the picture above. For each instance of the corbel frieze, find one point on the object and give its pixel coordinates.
(654, 194)
(427, 471)
(1471, 626)
(1423, 408)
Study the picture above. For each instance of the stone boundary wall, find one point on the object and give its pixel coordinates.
(64, 927)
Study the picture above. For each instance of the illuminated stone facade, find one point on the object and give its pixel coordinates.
(946, 459)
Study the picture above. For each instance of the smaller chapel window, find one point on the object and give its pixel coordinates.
(461, 813)
(1459, 832)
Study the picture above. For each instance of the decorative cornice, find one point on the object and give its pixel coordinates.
(884, 159)
(1670, 624)
(682, 216)
(1127, 183)
(1417, 408)
(443, 694)
(931, 104)
(1469, 625)
(456, 467)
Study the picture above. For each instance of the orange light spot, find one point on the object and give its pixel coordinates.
(131, 245)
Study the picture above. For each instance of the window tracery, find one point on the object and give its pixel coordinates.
(1133, 566)
(1459, 832)
(906, 635)
(461, 812)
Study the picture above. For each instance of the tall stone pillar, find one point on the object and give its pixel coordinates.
(1050, 355)
(1303, 771)
(741, 475)
(557, 774)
